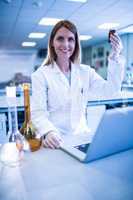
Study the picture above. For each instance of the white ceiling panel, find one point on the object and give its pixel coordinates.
(40, 4)
(14, 4)
(64, 4)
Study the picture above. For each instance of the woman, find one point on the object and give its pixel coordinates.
(62, 86)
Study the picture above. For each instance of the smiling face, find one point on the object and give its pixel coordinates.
(64, 43)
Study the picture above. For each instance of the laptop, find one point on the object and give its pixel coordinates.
(113, 135)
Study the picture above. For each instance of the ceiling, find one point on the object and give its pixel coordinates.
(18, 18)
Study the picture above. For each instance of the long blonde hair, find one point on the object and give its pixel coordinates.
(51, 55)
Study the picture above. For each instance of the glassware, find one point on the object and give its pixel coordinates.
(129, 78)
(27, 129)
(11, 152)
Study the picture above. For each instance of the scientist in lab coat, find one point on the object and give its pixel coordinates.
(62, 86)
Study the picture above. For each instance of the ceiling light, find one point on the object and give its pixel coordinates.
(85, 37)
(81, 1)
(49, 21)
(29, 44)
(108, 26)
(128, 29)
(37, 35)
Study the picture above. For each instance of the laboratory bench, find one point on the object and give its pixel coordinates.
(127, 87)
(54, 175)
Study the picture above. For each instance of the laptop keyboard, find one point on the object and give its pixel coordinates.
(83, 147)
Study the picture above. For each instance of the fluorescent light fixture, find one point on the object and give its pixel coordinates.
(37, 35)
(128, 29)
(81, 1)
(48, 21)
(85, 37)
(29, 44)
(108, 25)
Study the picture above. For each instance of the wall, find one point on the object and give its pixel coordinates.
(86, 55)
(12, 62)
(128, 52)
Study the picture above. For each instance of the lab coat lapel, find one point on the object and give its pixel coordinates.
(61, 84)
(76, 96)
(60, 76)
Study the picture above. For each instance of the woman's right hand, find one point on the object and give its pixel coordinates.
(52, 140)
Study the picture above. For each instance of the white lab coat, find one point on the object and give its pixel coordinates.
(58, 106)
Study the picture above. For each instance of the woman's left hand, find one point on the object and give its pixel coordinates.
(116, 44)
